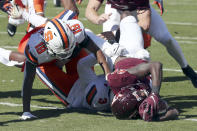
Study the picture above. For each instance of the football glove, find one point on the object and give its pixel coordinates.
(5, 6)
(27, 115)
(159, 3)
(16, 12)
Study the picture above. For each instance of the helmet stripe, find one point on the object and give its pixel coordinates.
(91, 94)
(62, 32)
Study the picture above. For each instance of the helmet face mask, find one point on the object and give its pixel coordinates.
(59, 39)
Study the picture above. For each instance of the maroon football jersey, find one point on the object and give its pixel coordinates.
(129, 5)
(121, 78)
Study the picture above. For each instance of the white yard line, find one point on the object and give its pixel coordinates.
(34, 106)
(180, 23)
(183, 42)
(190, 119)
(180, 3)
(55, 108)
(9, 47)
(187, 42)
(185, 38)
(6, 33)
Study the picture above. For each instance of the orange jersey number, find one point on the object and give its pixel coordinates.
(40, 48)
(76, 28)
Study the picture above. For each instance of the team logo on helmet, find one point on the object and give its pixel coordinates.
(60, 40)
(124, 104)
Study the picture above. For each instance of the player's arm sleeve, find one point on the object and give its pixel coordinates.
(84, 69)
(29, 76)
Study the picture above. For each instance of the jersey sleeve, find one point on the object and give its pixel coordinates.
(78, 30)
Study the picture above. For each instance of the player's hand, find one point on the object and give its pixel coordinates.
(27, 116)
(103, 17)
(159, 3)
(16, 12)
(5, 6)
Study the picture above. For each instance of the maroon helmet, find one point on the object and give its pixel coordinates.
(125, 103)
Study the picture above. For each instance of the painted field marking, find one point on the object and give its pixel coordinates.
(34, 106)
(56, 108)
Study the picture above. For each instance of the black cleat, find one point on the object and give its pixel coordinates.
(11, 29)
(57, 3)
(191, 74)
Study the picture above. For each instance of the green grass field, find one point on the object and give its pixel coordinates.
(180, 17)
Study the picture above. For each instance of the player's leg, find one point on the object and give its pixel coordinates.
(114, 21)
(131, 35)
(159, 31)
(56, 80)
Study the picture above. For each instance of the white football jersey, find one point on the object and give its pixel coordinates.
(78, 29)
(93, 96)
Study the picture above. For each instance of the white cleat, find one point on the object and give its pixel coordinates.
(27, 116)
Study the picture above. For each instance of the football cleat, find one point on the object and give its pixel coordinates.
(191, 74)
(159, 3)
(11, 29)
(57, 3)
(27, 115)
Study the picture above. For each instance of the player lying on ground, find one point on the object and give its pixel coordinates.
(36, 53)
(134, 88)
(136, 92)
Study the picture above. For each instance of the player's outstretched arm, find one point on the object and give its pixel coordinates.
(92, 15)
(92, 47)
